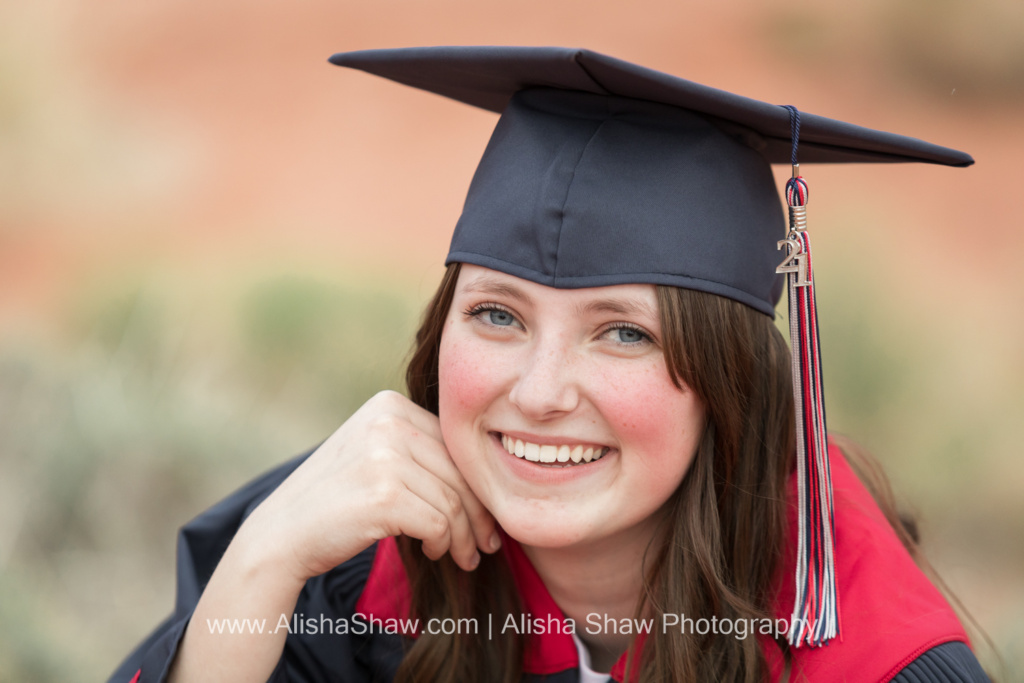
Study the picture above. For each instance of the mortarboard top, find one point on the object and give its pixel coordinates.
(604, 172)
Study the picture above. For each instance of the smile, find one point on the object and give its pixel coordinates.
(554, 456)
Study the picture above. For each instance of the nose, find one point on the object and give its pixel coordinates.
(546, 386)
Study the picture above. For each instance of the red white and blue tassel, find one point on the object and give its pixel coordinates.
(815, 618)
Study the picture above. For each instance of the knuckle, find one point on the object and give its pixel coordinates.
(385, 494)
(438, 524)
(385, 423)
(453, 500)
(381, 458)
(388, 397)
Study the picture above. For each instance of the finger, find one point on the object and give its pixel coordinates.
(434, 457)
(431, 454)
(419, 519)
(445, 499)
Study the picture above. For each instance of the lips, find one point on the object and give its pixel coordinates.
(555, 455)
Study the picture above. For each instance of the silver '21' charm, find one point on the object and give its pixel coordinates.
(795, 262)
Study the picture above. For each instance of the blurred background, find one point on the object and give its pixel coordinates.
(214, 246)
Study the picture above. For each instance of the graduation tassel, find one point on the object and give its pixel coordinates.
(815, 618)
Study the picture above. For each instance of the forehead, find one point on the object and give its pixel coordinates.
(631, 299)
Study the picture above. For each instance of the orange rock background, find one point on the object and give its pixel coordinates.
(168, 161)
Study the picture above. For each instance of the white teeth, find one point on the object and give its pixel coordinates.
(532, 452)
(551, 454)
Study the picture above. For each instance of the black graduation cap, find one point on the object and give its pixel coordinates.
(604, 172)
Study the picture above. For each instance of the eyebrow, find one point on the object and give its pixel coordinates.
(627, 306)
(489, 285)
(486, 284)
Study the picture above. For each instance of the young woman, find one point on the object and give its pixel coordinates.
(595, 473)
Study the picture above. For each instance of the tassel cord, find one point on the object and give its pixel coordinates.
(816, 616)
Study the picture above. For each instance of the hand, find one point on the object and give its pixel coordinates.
(384, 472)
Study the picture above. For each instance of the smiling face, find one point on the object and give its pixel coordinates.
(533, 380)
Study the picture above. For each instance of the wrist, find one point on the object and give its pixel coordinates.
(260, 559)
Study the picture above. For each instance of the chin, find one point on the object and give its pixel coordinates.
(544, 530)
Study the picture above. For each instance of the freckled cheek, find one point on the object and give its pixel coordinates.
(649, 414)
(469, 380)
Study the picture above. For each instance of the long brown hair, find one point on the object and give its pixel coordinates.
(721, 538)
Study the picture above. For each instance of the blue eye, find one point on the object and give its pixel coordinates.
(627, 335)
(499, 317)
(493, 315)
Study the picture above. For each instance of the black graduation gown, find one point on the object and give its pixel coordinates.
(362, 657)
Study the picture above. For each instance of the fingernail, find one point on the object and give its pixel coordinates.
(495, 541)
(474, 561)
